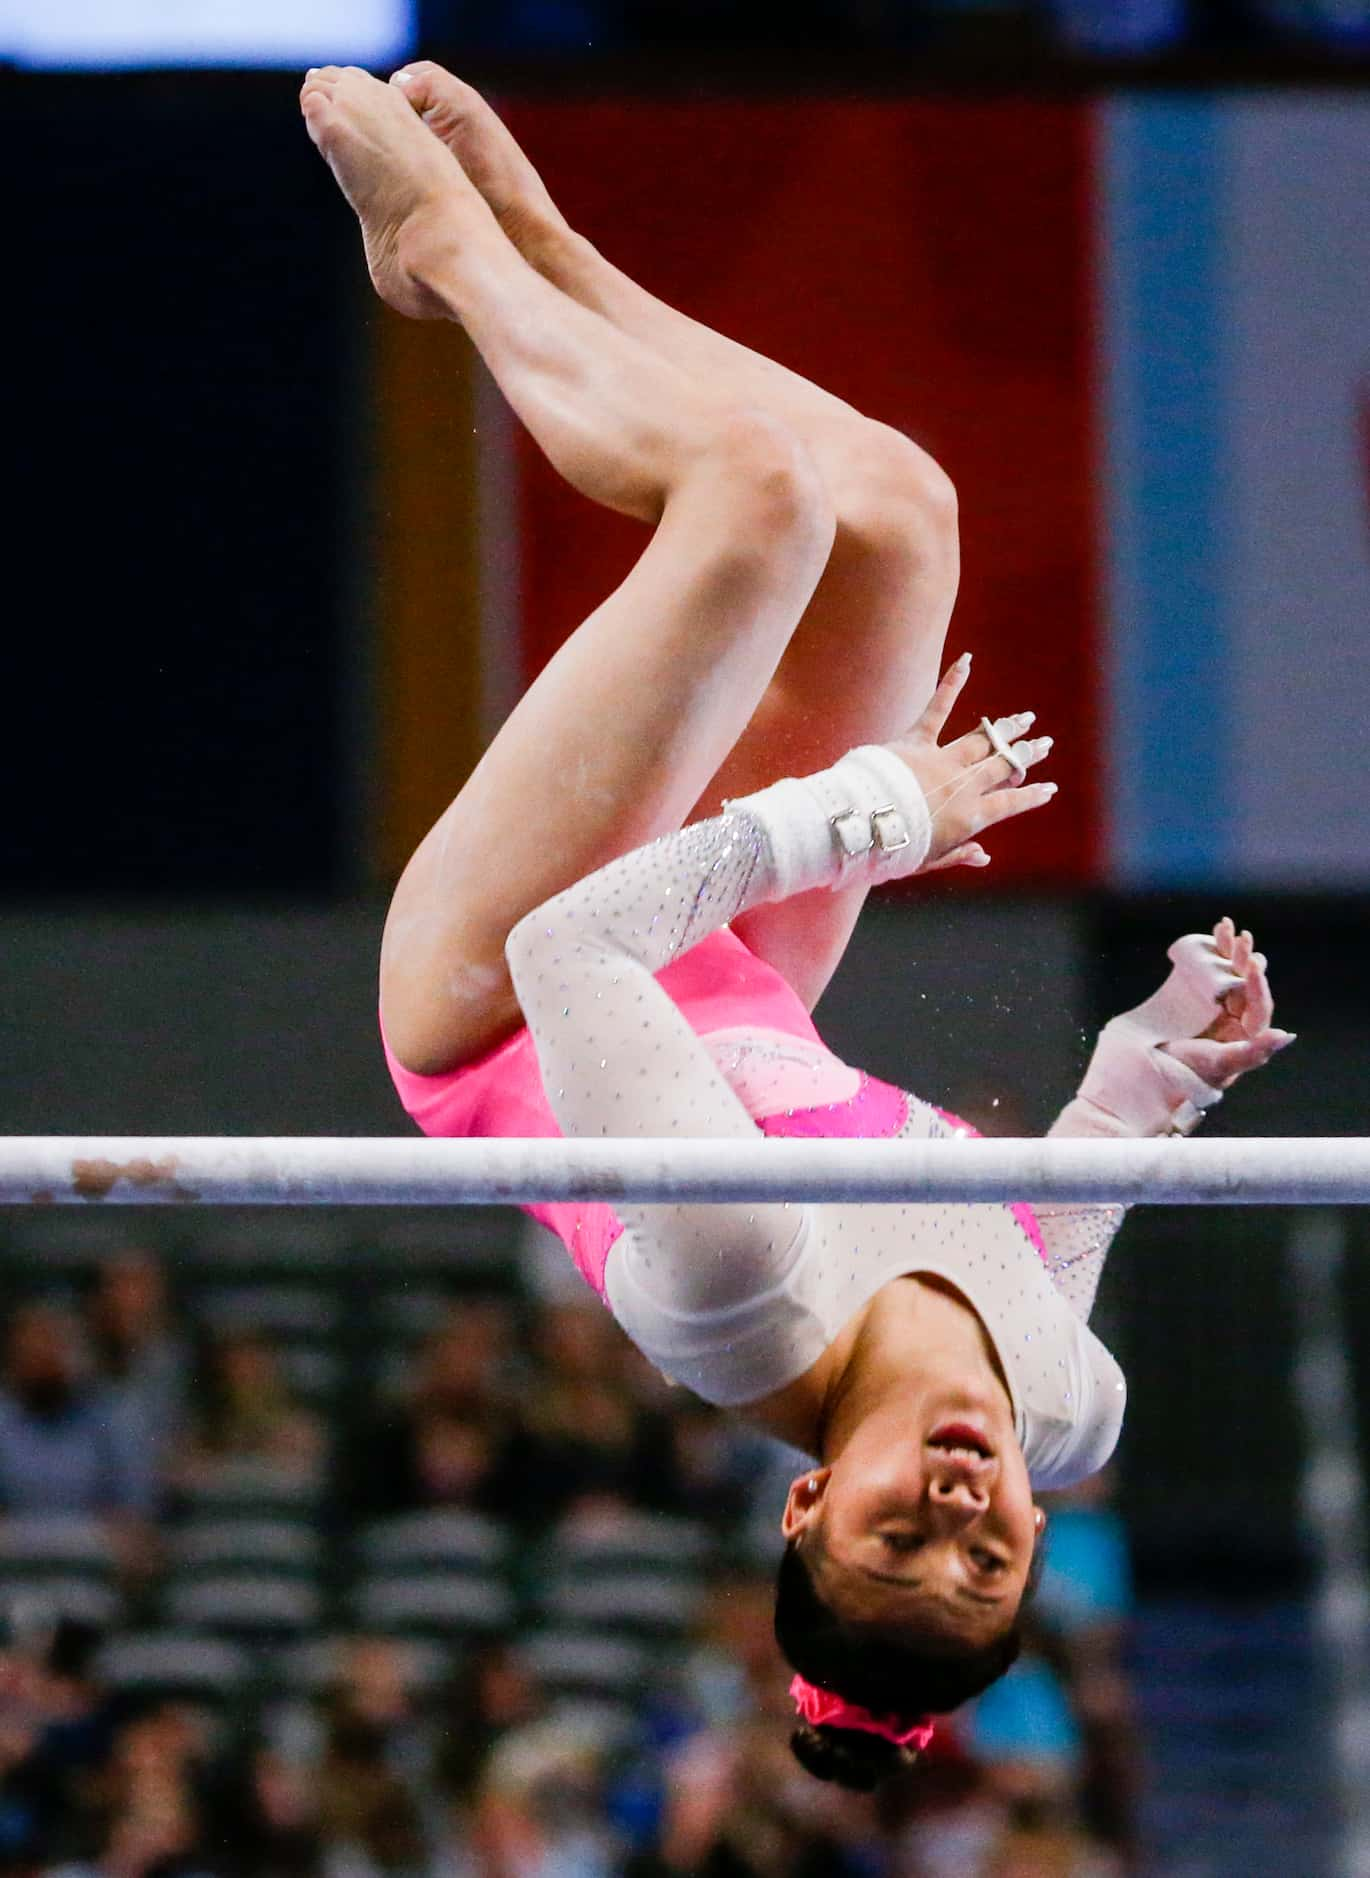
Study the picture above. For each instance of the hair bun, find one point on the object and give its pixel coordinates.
(850, 1756)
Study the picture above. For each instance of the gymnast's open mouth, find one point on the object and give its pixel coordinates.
(961, 1438)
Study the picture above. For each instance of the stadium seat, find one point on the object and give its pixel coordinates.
(286, 1313)
(637, 1603)
(251, 1490)
(284, 1547)
(65, 1543)
(312, 1668)
(409, 1316)
(32, 1603)
(314, 1371)
(58, 1565)
(165, 1663)
(250, 1606)
(572, 1662)
(453, 1540)
(434, 1604)
(621, 1539)
(302, 1323)
(613, 1726)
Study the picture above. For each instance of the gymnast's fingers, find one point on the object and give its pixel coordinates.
(1001, 804)
(1008, 771)
(982, 752)
(1258, 1004)
(939, 706)
(969, 854)
(1220, 1064)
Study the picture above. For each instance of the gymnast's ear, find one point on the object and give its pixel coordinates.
(803, 1501)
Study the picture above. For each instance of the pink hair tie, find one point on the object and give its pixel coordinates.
(822, 1709)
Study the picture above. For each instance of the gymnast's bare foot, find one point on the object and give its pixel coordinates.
(488, 152)
(408, 194)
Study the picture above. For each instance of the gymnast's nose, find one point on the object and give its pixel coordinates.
(956, 1501)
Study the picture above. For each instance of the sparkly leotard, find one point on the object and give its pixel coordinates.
(763, 1040)
(649, 1018)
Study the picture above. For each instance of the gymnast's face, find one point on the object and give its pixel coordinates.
(929, 1531)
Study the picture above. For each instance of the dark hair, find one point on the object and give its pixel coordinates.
(878, 1671)
(849, 1756)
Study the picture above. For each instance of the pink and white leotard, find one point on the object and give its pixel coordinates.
(728, 995)
(760, 1036)
(647, 1016)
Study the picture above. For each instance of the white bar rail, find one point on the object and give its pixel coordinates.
(58, 1170)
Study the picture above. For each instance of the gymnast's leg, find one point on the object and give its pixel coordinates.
(621, 733)
(868, 652)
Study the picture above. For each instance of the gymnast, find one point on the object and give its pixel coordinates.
(621, 925)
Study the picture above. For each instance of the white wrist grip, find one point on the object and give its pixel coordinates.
(864, 819)
(1133, 1086)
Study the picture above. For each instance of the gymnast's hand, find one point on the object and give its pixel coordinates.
(969, 784)
(1157, 1068)
(1241, 1036)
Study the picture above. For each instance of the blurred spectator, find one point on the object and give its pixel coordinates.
(454, 1460)
(454, 1439)
(494, 1693)
(266, 1820)
(734, 1665)
(149, 1819)
(246, 1412)
(56, 1733)
(370, 1816)
(138, 1355)
(1022, 1729)
(703, 1473)
(539, 1811)
(375, 1690)
(591, 1439)
(465, 1363)
(66, 1444)
(379, 1777)
(945, 1821)
(1086, 1587)
(739, 1807)
(1041, 1841)
(1084, 1605)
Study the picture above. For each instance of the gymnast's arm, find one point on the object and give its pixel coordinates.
(617, 1057)
(1155, 1071)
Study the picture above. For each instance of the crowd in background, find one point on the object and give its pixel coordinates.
(448, 1756)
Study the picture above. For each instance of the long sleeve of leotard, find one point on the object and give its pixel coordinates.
(1077, 1238)
(1077, 1241)
(1133, 1089)
(617, 1057)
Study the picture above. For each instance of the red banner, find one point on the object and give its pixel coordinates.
(930, 263)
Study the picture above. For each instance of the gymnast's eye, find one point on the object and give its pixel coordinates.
(987, 1561)
(901, 1542)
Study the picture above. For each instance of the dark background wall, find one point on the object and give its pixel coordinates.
(207, 1021)
(181, 547)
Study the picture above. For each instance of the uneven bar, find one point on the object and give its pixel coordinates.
(132, 1170)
